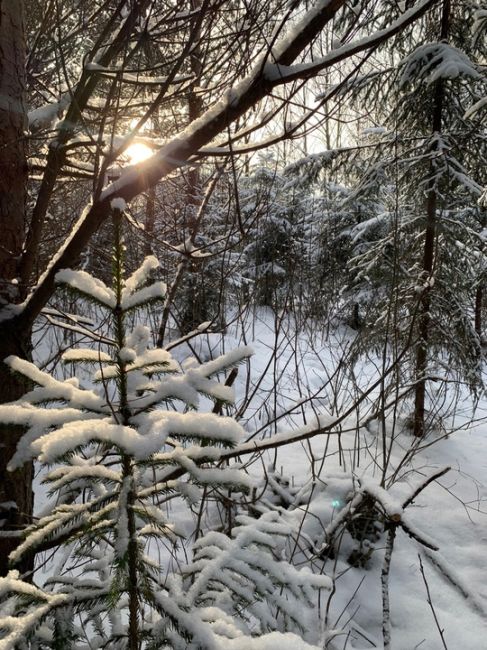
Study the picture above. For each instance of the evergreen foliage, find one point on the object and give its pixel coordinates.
(115, 457)
(388, 221)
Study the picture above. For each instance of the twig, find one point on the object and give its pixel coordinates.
(218, 407)
(430, 603)
(414, 534)
(384, 578)
(425, 483)
(456, 581)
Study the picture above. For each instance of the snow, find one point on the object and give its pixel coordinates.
(155, 291)
(87, 285)
(38, 421)
(231, 358)
(15, 629)
(51, 389)
(142, 274)
(122, 536)
(87, 355)
(45, 116)
(301, 26)
(61, 476)
(72, 435)
(437, 515)
(207, 476)
(118, 204)
(272, 641)
(392, 507)
(433, 61)
(150, 361)
(199, 425)
(153, 358)
(127, 355)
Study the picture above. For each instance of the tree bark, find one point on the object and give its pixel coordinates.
(479, 299)
(13, 163)
(432, 204)
(194, 308)
(16, 496)
(15, 488)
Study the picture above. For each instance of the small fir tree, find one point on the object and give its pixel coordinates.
(115, 456)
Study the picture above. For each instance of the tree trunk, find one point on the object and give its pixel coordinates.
(424, 316)
(15, 488)
(16, 496)
(429, 253)
(13, 164)
(194, 309)
(479, 299)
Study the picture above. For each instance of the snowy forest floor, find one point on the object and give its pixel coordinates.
(430, 591)
(452, 511)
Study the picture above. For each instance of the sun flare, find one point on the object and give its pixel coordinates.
(138, 152)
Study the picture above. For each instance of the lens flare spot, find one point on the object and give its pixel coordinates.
(138, 152)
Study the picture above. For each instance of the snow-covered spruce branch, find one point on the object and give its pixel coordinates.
(37, 604)
(173, 473)
(247, 578)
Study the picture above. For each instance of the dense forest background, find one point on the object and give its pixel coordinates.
(242, 287)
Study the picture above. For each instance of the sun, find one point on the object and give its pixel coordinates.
(138, 152)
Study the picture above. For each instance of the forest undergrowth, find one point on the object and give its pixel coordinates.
(389, 523)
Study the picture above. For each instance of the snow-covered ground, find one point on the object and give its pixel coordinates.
(451, 512)
(438, 598)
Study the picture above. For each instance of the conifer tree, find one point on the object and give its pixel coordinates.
(417, 259)
(114, 457)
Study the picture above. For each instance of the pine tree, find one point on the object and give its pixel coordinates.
(272, 254)
(418, 261)
(114, 457)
